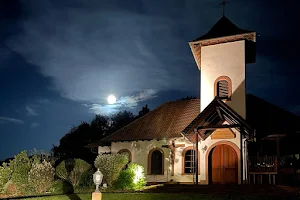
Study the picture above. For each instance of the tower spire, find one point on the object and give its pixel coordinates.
(223, 3)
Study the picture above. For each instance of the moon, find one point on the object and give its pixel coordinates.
(111, 99)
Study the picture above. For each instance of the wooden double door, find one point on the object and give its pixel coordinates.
(223, 166)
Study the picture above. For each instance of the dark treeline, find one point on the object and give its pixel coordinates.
(72, 145)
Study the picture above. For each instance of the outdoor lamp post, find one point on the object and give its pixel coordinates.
(97, 178)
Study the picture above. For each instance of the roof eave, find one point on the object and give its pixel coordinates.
(199, 40)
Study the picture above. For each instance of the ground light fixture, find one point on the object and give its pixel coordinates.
(97, 178)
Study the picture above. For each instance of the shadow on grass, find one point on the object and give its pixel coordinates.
(73, 197)
(67, 187)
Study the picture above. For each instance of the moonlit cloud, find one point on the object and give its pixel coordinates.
(122, 52)
(43, 101)
(122, 103)
(31, 111)
(34, 124)
(10, 120)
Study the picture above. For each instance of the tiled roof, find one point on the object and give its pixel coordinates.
(166, 121)
(224, 27)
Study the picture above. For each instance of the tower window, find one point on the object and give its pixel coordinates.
(223, 87)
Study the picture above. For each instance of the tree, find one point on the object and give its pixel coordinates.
(143, 111)
(121, 119)
(72, 145)
(188, 98)
(101, 126)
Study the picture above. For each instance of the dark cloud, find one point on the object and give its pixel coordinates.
(91, 53)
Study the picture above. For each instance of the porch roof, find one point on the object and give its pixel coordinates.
(212, 117)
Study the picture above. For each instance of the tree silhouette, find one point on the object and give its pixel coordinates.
(72, 145)
(143, 111)
(121, 119)
(188, 98)
(101, 126)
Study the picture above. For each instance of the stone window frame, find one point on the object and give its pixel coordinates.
(126, 151)
(183, 160)
(149, 160)
(226, 78)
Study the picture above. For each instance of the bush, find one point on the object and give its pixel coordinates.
(14, 176)
(5, 173)
(110, 165)
(41, 176)
(72, 170)
(20, 167)
(87, 179)
(62, 187)
(10, 189)
(131, 178)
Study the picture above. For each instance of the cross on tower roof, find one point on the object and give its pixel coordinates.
(223, 3)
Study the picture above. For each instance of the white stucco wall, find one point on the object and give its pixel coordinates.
(226, 59)
(104, 149)
(140, 151)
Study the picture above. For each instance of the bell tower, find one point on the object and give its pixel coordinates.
(221, 56)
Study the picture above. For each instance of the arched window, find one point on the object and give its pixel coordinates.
(223, 87)
(156, 162)
(127, 153)
(189, 161)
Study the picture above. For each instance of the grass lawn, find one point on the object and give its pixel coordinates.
(145, 196)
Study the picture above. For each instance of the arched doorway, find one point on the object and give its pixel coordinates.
(223, 165)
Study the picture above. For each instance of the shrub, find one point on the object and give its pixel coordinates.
(62, 187)
(14, 175)
(41, 176)
(72, 170)
(87, 179)
(20, 166)
(5, 173)
(10, 189)
(110, 165)
(131, 178)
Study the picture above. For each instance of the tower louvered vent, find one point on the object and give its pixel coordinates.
(222, 89)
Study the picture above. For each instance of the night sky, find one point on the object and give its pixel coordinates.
(59, 60)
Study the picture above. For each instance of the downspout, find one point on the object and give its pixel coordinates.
(196, 159)
(246, 160)
(241, 152)
(193, 162)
